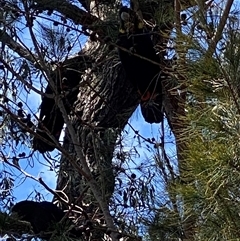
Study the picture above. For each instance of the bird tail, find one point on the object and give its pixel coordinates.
(54, 124)
(152, 109)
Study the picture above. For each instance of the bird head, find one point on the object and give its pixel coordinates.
(129, 21)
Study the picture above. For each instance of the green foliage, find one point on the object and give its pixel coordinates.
(206, 206)
(212, 151)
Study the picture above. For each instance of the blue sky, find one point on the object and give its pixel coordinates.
(25, 187)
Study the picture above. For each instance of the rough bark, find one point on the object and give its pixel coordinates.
(106, 100)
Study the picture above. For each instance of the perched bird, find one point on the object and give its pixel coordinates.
(43, 216)
(140, 62)
(50, 118)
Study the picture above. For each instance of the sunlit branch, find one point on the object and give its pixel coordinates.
(218, 35)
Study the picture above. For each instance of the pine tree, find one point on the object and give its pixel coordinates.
(193, 196)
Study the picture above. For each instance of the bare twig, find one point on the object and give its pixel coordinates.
(17, 48)
(218, 35)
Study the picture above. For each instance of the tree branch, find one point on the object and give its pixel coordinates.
(218, 35)
(11, 225)
(73, 12)
(16, 47)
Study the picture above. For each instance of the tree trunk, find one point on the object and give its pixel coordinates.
(106, 101)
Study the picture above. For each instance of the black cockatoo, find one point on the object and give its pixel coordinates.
(50, 117)
(144, 74)
(43, 217)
